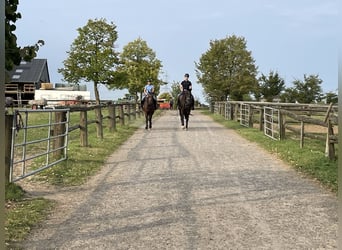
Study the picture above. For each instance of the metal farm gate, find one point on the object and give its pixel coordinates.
(244, 115)
(271, 120)
(34, 146)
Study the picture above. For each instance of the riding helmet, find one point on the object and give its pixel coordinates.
(186, 75)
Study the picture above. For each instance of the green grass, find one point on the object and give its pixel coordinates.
(310, 159)
(22, 213)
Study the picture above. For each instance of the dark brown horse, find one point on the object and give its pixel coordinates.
(184, 107)
(148, 108)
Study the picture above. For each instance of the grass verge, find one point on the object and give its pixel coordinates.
(22, 213)
(309, 160)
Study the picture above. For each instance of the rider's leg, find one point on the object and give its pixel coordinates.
(142, 102)
(155, 103)
(193, 102)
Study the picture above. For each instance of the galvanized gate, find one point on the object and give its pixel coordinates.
(245, 114)
(271, 123)
(33, 147)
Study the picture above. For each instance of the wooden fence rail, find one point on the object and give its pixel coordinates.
(291, 116)
(116, 113)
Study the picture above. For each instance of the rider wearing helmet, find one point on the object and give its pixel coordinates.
(149, 89)
(186, 85)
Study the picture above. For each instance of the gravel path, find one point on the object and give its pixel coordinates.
(205, 188)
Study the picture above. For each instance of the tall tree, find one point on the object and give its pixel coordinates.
(309, 90)
(140, 63)
(271, 86)
(14, 54)
(92, 56)
(227, 69)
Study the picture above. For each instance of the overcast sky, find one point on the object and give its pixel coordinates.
(291, 37)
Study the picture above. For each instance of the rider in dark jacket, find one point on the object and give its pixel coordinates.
(187, 85)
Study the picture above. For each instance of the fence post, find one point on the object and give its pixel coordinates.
(134, 111)
(301, 134)
(111, 113)
(250, 116)
(8, 145)
(84, 128)
(122, 115)
(261, 119)
(58, 132)
(281, 126)
(329, 146)
(236, 112)
(99, 127)
(129, 111)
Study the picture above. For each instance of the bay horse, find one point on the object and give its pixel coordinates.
(148, 108)
(184, 107)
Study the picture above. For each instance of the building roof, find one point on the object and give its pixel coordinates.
(28, 72)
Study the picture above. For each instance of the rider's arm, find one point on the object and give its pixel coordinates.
(181, 86)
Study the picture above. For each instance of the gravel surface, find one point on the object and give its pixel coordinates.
(205, 188)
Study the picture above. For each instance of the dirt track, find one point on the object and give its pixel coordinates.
(205, 188)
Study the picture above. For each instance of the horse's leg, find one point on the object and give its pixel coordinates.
(181, 117)
(150, 120)
(146, 121)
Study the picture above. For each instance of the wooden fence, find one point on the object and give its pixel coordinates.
(304, 120)
(117, 113)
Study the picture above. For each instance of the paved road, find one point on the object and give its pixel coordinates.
(205, 188)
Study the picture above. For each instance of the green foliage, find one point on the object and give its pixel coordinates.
(271, 86)
(140, 64)
(166, 96)
(227, 69)
(15, 53)
(307, 91)
(331, 97)
(175, 90)
(92, 56)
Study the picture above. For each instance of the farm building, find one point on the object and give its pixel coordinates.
(29, 83)
(25, 78)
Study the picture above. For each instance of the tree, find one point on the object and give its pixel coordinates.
(271, 86)
(92, 57)
(309, 90)
(227, 69)
(165, 95)
(14, 54)
(331, 97)
(140, 64)
(175, 91)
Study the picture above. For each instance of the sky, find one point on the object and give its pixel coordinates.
(291, 37)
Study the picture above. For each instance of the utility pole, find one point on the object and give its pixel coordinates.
(2, 124)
